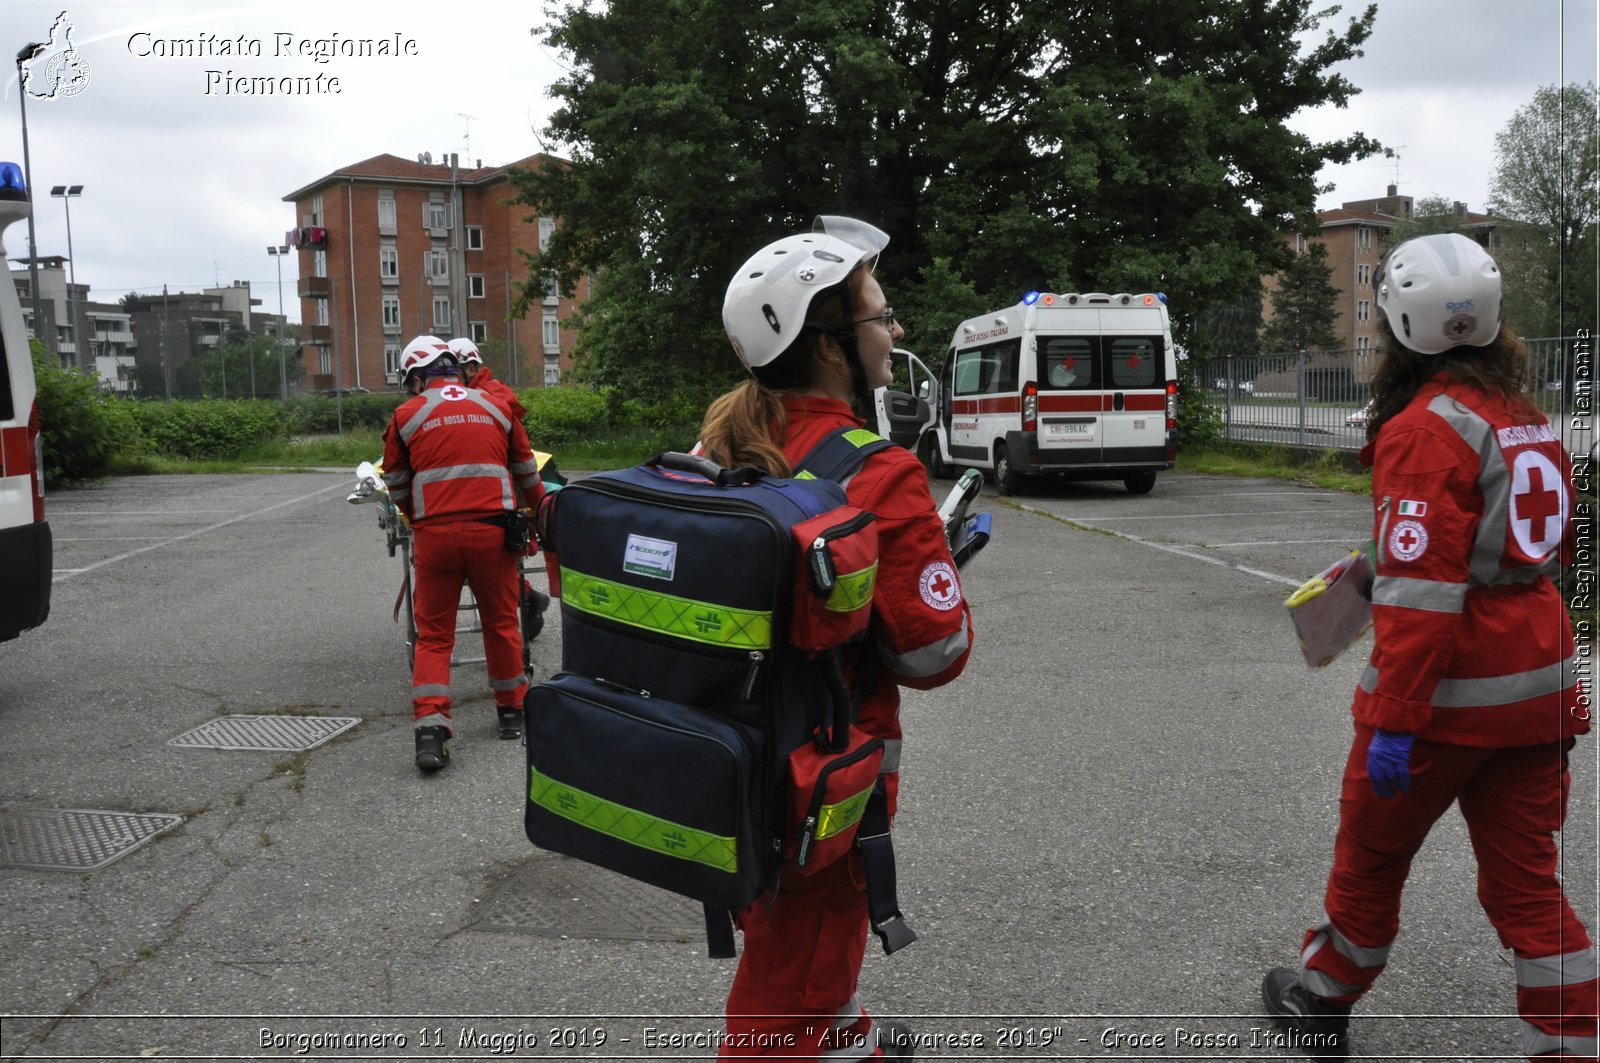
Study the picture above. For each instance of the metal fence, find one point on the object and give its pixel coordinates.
(1320, 399)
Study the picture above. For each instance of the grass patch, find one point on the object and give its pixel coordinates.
(1326, 468)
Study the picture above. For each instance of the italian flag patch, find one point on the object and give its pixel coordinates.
(1408, 508)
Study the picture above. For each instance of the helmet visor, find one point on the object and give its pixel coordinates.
(869, 238)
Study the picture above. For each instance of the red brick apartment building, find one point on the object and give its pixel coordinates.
(391, 248)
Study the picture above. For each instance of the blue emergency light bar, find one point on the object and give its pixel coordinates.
(12, 184)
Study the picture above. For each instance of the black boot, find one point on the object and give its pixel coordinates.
(1316, 1027)
(510, 721)
(534, 604)
(433, 748)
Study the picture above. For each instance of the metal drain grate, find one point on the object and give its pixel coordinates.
(74, 839)
(276, 734)
(558, 897)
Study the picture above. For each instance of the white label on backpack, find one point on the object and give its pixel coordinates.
(644, 556)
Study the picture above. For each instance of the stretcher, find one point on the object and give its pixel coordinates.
(370, 490)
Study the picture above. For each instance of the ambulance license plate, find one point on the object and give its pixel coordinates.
(1068, 431)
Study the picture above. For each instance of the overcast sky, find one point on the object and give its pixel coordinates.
(183, 180)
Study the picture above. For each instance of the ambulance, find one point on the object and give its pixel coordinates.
(25, 545)
(1080, 386)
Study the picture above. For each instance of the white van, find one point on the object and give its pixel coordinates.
(25, 545)
(1083, 386)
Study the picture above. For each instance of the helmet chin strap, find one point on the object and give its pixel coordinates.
(859, 392)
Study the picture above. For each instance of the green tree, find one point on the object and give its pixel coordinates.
(1547, 175)
(1005, 147)
(1304, 306)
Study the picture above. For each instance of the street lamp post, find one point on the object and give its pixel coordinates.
(29, 53)
(277, 251)
(66, 193)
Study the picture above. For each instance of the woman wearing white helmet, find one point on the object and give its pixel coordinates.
(810, 321)
(1471, 695)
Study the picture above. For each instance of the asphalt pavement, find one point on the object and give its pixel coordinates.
(1112, 823)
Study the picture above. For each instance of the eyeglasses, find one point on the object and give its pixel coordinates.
(886, 319)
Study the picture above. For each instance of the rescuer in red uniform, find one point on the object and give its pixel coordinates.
(475, 374)
(810, 321)
(455, 463)
(1471, 695)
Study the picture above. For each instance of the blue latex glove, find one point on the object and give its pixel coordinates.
(1389, 762)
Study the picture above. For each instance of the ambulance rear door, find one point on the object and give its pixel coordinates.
(1071, 382)
(1134, 348)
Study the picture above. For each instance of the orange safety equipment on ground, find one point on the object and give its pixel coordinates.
(804, 944)
(1473, 654)
(456, 463)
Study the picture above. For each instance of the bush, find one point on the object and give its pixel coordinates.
(319, 414)
(209, 429)
(561, 415)
(1199, 422)
(82, 428)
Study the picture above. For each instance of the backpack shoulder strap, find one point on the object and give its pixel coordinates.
(839, 454)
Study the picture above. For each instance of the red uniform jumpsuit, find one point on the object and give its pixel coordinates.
(453, 459)
(484, 380)
(803, 948)
(1473, 653)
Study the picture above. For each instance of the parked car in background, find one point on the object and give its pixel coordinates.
(1359, 418)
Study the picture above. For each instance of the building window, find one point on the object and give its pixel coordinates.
(1363, 309)
(1300, 243)
(325, 361)
(547, 226)
(391, 359)
(319, 263)
(386, 211)
(552, 292)
(1363, 343)
(552, 333)
(435, 216)
(322, 311)
(441, 312)
(474, 238)
(479, 331)
(437, 265)
(316, 209)
(391, 313)
(552, 376)
(475, 286)
(388, 262)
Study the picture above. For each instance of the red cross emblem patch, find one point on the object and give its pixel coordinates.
(1408, 540)
(1458, 328)
(1538, 504)
(453, 392)
(939, 586)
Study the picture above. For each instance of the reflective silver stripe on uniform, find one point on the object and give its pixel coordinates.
(1535, 1042)
(1320, 982)
(853, 1047)
(1433, 596)
(891, 756)
(507, 684)
(1360, 955)
(1545, 972)
(398, 478)
(927, 660)
(462, 472)
(525, 468)
(433, 719)
(490, 407)
(1493, 691)
(1493, 481)
(425, 411)
(431, 690)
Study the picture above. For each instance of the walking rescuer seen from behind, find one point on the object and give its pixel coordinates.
(810, 321)
(1471, 694)
(455, 462)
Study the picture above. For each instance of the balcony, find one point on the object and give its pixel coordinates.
(313, 288)
(321, 335)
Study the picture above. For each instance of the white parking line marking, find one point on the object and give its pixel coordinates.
(1279, 542)
(1194, 516)
(199, 531)
(137, 512)
(108, 538)
(1171, 548)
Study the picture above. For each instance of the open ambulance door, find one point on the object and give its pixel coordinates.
(905, 416)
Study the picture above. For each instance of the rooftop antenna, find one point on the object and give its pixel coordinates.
(468, 135)
(1395, 155)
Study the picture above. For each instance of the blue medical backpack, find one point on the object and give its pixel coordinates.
(702, 610)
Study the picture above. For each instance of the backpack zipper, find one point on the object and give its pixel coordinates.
(808, 830)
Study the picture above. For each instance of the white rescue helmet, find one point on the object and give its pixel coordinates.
(769, 298)
(1439, 292)
(466, 351)
(421, 353)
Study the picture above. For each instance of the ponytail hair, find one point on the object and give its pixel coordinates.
(746, 426)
